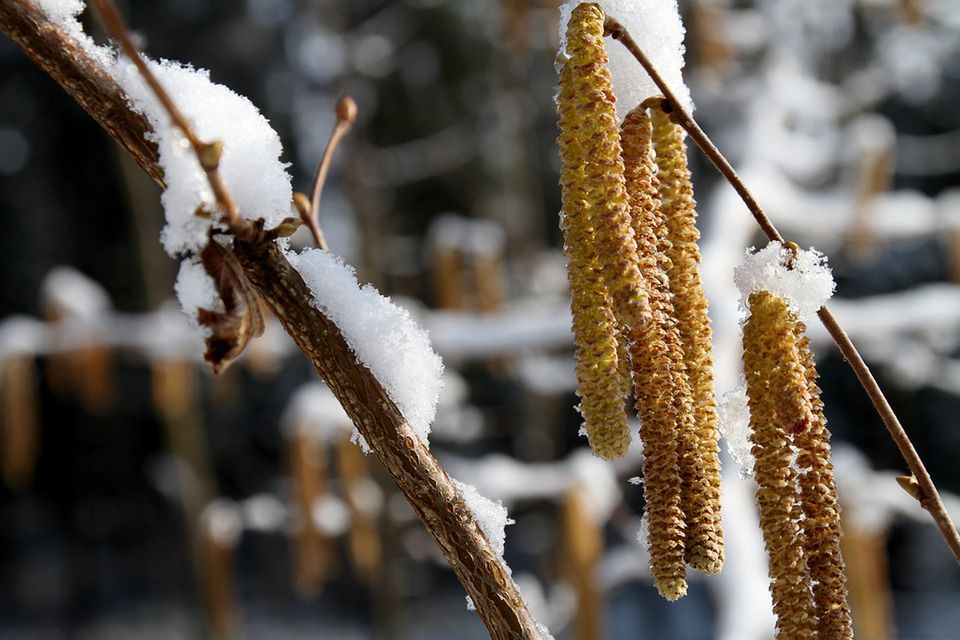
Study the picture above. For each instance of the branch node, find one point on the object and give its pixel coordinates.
(209, 155)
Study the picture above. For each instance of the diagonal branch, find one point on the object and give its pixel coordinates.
(927, 493)
(416, 472)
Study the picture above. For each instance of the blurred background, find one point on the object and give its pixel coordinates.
(142, 497)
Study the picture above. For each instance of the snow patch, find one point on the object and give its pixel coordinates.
(658, 31)
(806, 286)
(409, 369)
(733, 421)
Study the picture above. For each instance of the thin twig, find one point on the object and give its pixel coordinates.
(346, 112)
(929, 498)
(208, 153)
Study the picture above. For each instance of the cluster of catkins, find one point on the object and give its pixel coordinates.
(796, 494)
(640, 325)
(639, 313)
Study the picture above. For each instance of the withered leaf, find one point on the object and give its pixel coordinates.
(241, 320)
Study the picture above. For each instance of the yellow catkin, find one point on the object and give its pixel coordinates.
(663, 398)
(704, 549)
(594, 327)
(623, 363)
(594, 114)
(821, 509)
(772, 369)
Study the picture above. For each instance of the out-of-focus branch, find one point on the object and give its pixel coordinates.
(416, 472)
(927, 493)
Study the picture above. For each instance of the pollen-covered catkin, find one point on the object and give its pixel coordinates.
(771, 367)
(590, 106)
(594, 327)
(659, 381)
(704, 549)
(821, 509)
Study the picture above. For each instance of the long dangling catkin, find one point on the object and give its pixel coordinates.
(659, 381)
(595, 330)
(704, 549)
(821, 509)
(779, 403)
(598, 149)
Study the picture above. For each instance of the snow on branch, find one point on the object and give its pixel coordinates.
(657, 28)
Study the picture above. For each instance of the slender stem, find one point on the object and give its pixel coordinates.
(208, 154)
(346, 112)
(929, 497)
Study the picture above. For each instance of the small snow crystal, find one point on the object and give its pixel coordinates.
(384, 337)
(195, 290)
(643, 532)
(491, 516)
(657, 29)
(733, 417)
(806, 287)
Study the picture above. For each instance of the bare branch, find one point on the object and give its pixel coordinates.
(346, 112)
(929, 498)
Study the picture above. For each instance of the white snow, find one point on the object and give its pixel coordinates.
(317, 411)
(195, 290)
(330, 515)
(806, 286)
(490, 516)
(69, 293)
(223, 521)
(643, 533)
(250, 163)
(733, 418)
(658, 30)
(384, 337)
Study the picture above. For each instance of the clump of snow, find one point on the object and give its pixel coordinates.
(733, 418)
(263, 512)
(409, 370)
(330, 515)
(65, 14)
(66, 292)
(658, 31)
(643, 532)
(598, 481)
(195, 290)
(22, 336)
(806, 285)
(223, 521)
(636, 481)
(250, 164)
(490, 516)
(317, 411)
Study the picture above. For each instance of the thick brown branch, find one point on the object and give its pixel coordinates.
(931, 498)
(417, 473)
(422, 480)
